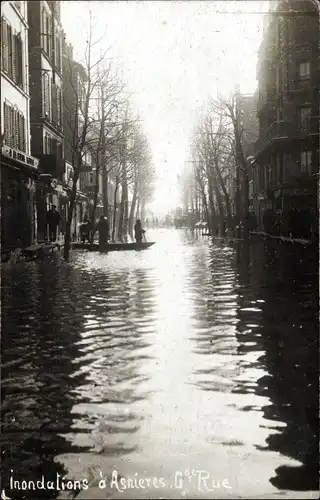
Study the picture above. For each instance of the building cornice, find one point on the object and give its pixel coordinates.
(14, 85)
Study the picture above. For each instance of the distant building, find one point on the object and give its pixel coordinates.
(249, 126)
(74, 82)
(287, 151)
(178, 212)
(19, 169)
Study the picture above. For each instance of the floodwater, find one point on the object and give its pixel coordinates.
(191, 366)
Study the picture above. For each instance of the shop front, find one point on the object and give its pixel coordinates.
(18, 176)
(300, 212)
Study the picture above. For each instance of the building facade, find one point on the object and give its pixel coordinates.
(74, 88)
(249, 129)
(287, 151)
(46, 110)
(19, 169)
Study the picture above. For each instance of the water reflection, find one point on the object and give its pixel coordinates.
(284, 285)
(188, 355)
(38, 302)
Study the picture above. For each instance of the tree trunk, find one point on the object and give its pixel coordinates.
(115, 199)
(225, 193)
(212, 211)
(105, 193)
(205, 205)
(220, 208)
(132, 210)
(67, 240)
(94, 209)
(125, 210)
(121, 218)
(143, 210)
(138, 208)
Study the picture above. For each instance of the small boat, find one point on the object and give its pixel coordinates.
(113, 247)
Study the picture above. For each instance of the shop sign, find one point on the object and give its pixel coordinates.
(19, 156)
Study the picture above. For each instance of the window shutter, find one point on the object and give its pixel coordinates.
(18, 65)
(43, 94)
(44, 30)
(23, 125)
(46, 96)
(54, 103)
(14, 58)
(11, 128)
(17, 129)
(58, 51)
(9, 44)
(47, 93)
(21, 132)
(49, 42)
(6, 124)
(49, 97)
(4, 40)
(59, 107)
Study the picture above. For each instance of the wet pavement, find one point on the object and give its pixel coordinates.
(187, 370)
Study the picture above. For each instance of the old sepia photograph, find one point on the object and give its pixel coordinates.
(160, 249)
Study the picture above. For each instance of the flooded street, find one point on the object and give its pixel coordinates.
(192, 362)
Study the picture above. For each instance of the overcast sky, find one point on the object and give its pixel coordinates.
(173, 55)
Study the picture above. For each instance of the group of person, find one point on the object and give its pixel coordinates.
(87, 232)
(87, 229)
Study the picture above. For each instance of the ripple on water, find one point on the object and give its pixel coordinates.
(177, 354)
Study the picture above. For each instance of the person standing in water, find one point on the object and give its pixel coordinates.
(103, 228)
(138, 231)
(53, 220)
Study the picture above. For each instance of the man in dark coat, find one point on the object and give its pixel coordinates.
(103, 228)
(53, 220)
(138, 231)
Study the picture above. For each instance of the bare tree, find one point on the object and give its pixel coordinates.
(229, 108)
(142, 176)
(80, 86)
(105, 133)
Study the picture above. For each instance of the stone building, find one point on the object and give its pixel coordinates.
(19, 170)
(46, 109)
(287, 151)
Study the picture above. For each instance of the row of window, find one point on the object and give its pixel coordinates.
(51, 100)
(11, 53)
(304, 117)
(14, 127)
(279, 76)
(47, 39)
(272, 175)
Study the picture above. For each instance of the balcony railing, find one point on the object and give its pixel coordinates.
(303, 84)
(284, 130)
